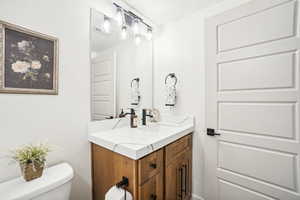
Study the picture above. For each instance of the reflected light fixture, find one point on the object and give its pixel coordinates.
(119, 16)
(136, 26)
(137, 39)
(124, 32)
(106, 25)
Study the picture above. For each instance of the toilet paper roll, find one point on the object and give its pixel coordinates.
(115, 193)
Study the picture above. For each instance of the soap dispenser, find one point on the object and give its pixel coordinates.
(133, 119)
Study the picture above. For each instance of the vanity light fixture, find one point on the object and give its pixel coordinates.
(127, 19)
(119, 16)
(124, 32)
(106, 25)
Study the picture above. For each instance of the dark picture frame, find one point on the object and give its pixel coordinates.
(28, 61)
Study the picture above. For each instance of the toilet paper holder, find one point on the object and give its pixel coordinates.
(123, 183)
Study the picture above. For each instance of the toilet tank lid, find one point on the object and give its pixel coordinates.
(19, 189)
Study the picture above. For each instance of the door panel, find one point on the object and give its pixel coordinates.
(256, 73)
(270, 119)
(252, 78)
(229, 191)
(256, 185)
(269, 166)
(241, 32)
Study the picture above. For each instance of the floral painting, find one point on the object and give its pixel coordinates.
(29, 62)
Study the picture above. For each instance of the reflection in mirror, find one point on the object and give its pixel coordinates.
(121, 67)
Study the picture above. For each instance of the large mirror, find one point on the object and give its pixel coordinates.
(121, 67)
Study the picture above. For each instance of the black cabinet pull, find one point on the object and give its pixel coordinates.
(181, 184)
(185, 179)
(153, 197)
(182, 177)
(153, 165)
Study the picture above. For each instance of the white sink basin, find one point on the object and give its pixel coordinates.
(136, 143)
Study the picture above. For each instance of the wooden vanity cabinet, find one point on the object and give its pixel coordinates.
(165, 174)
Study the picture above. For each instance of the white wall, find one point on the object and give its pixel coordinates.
(62, 119)
(180, 49)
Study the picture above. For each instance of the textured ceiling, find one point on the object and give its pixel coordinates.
(164, 11)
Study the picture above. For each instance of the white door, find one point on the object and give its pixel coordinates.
(252, 70)
(103, 86)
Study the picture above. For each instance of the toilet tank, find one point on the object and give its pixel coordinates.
(54, 184)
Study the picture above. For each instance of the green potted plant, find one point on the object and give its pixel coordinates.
(31, 159)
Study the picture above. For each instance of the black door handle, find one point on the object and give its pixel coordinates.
(211, 132)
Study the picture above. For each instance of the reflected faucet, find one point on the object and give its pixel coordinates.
(122, 114)
(144, 113)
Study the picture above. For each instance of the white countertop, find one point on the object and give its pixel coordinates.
(136, 143)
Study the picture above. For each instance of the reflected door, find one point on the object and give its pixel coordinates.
(103, 86)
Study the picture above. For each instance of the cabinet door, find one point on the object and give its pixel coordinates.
(172, 181)
(108, 168)
(187, 175)
(178, 177)
(152, 189)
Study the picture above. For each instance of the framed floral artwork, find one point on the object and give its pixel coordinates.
(28, 61)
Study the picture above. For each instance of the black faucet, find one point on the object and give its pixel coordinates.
(133, 117)
(144, 119)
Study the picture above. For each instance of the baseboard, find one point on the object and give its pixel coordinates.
(195, 197)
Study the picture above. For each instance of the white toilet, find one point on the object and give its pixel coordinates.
(55, 184)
